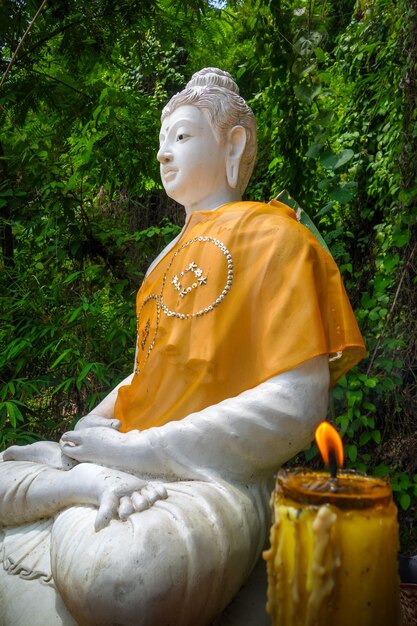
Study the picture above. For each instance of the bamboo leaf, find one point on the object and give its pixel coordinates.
(61, 357)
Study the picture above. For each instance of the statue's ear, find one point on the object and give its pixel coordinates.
(236, 146)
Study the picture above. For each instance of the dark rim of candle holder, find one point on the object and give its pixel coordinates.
(350, 489)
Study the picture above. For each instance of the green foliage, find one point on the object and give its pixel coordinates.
(89, 81)
(68, 325)
(403, 485)
(337, 114)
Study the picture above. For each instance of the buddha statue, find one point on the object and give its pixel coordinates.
(155, 509)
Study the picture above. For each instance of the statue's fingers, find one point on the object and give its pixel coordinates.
(160, 490)
(88, 421)
(126, 507)
(71, 449)
(72, 437)
(94, 421)
(107, 511)
(151, 494)
(139, 501)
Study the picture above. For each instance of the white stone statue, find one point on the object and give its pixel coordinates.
(154, 511)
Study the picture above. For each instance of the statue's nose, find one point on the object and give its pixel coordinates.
(163, 155)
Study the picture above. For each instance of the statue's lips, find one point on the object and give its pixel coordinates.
(169, 174)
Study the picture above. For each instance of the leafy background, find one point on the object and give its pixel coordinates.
(333, 86)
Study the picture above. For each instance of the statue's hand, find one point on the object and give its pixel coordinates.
(44, 452)
(104, 446)
(117, 494)
(93, 421)
(140, 501)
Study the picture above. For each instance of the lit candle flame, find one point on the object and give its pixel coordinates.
(330, 446)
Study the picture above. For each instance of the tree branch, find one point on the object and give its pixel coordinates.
(61, 82)
(12, 60)
(387, 319)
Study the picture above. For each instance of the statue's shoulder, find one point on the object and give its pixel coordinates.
(272, 217)
(248, 210)
(276, 222)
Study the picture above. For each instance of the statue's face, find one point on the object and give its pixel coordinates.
(192, 160)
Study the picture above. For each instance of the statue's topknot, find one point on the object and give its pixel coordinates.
(213, 76)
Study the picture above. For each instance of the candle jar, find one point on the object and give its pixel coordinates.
(333, 554)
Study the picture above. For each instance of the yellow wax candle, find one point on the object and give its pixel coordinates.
(333, 555)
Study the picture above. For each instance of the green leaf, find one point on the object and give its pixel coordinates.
(69, 279)
(308, 223)
(367, 301)
(311, 453)
(308, 69)
(376, 436)
(324, 118)
(72, 182)
(405, 501)
(364, 438)
(401, 239)
(16, 346)
(333, 161)
(13, 413)
(65, 385)
(324, 210)
(344, 192)
(325, 183)
(352, 452)
(75, 314)
(361, 467)
(314, 150)
(61, 357)
(391, 262)
(305, 93)
(381, 470)
(369, 406)
(84, 372)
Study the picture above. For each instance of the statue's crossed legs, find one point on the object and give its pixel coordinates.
(179, 562)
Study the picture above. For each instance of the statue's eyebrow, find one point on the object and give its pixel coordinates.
(175, 125)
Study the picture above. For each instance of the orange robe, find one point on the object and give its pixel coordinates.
(245, 294)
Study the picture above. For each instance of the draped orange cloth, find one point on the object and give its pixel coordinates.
(245, 294)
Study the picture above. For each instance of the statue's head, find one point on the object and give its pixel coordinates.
(212, 97)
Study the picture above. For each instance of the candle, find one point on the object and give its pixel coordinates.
(334, 544)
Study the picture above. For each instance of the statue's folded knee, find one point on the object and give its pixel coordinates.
(179, 558)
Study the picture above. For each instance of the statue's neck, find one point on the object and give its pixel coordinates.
(214, 201)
